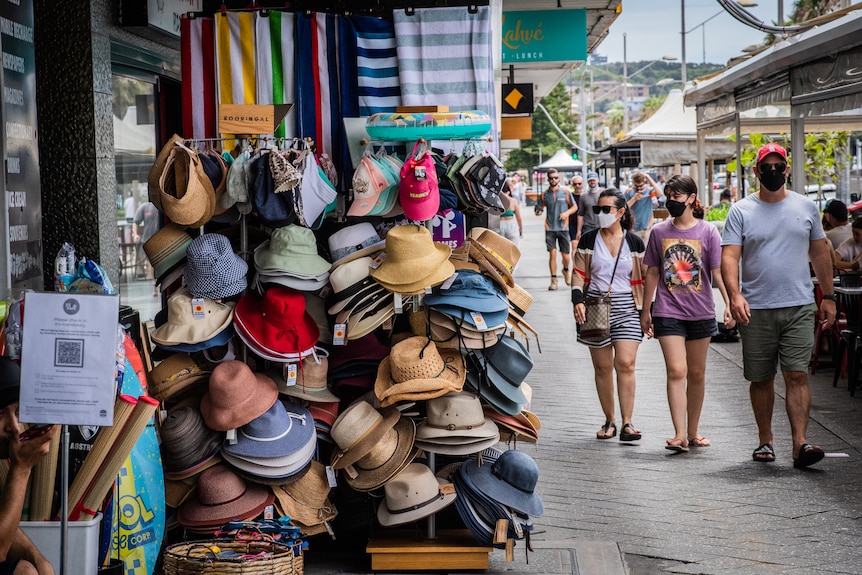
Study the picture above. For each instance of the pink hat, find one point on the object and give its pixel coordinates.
(222, 496)
(236, 396)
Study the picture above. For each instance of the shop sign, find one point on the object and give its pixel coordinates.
(449, 228)
(22, 191)
(544, 36)
(165, 14)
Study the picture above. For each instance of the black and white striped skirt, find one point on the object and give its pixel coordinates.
(625, 320)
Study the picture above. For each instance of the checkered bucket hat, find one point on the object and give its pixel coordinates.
(213, 270)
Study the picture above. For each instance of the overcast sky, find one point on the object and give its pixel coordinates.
(653, 27)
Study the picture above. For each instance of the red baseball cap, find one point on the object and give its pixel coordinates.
(770, 148)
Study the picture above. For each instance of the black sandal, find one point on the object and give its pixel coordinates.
(608, 430)
(626, 436)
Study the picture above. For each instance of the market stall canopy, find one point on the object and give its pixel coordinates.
(669, 137)
(561, 161)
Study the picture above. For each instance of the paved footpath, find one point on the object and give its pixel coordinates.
(615, 508)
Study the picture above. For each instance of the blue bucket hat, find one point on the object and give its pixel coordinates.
(282, 431)
(470, 291)
(510, 481)
(213, 270)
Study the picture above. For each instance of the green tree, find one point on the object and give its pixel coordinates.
(650, 106)
(545, 138)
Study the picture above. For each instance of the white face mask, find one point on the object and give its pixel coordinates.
(607, 220)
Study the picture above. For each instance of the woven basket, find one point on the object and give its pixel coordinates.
(197, 557)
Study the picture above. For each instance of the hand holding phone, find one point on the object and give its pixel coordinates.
(35, 430)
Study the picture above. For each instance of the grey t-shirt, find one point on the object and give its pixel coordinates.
(775, 239)
(585, 208)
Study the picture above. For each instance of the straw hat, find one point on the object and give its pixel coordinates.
(310, 382)
(412, 495)
(236, 396)
(190, 322)
(393, 452)
(456, 425)
(306, 501)
(186, 195)
(158, 168)
(221, 497)
(166, 249)
(416, 369)
(177, 491)
(176, 376)
(495, 255)
(520, 299)
(413, 261)
(358, 429)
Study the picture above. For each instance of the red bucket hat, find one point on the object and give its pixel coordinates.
(277, 320)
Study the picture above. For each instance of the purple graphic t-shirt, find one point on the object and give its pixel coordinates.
(685, 259)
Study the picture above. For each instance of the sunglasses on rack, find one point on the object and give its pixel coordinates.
(603, 209)
(765, 167)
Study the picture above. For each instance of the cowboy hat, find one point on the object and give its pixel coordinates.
(455, 425)
(358, 429)
(416, 369)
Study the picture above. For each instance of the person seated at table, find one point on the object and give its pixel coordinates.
(846, 256)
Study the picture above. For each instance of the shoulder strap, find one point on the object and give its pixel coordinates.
(616, 261)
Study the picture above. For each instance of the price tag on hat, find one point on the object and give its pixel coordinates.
(448, 283)
(399, 303)
(290, 374)
(198, 308)
(378, 259)
(478, 319)
(339, 334)
(330, 476)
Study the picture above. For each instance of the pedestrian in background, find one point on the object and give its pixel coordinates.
(511, 226)
(560, 205)
(835, 222)
(846, 256)
(587, 220)
(611, 257)
(577, 190)
(683, 259)
(642, 197)
(772, 297)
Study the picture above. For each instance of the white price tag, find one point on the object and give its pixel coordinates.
(449, 281)
(269, 512)
(478, 319)
(330, 476)
(290, 374)
(198, 308)
(399, 303)
(379, 259)
(339, 334)
(231, 436)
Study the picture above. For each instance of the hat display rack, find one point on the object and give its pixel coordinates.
(261, 374)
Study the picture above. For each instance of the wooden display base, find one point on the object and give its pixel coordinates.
(404, 551)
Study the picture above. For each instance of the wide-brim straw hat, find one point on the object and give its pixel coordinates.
(178, 491)
(413, 261)
(222, 496)
(186, 194)
(158, 169)
(495, 255)
(166, 249)
(306, 501)
(520, 299)
(358, 429)
(412, 495)
(416, 369)
(394, 451)
(191, 322)
(176, 376)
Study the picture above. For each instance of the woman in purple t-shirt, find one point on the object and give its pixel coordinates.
(683, 258)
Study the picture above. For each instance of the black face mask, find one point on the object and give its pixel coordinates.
(773, 180)
(674, 208)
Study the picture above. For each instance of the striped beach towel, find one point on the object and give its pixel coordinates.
(377, 65)
(198, 77)
(235, 50)
(445, 58)
(275, 65)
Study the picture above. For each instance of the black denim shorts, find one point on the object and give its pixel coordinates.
(689, 329)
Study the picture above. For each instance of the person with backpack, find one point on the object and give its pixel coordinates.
(560, 204)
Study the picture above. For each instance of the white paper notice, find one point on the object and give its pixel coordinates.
(68, 358)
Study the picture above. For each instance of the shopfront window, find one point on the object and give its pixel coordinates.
(137, 218)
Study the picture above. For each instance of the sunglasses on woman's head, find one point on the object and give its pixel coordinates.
(603, 209)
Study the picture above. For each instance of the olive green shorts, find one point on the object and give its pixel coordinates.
(782, 336)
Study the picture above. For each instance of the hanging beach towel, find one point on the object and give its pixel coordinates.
(197, 43)
(379, 88)
(275, 65)
(235, 49)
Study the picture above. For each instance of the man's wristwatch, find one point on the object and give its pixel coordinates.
(831, 296)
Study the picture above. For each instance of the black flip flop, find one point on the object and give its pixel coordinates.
(808, 455)
(626, 436)
(766, 453)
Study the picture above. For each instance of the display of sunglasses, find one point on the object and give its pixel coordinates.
(772, 167)
(603, 209)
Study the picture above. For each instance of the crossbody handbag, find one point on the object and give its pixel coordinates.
(597, 312)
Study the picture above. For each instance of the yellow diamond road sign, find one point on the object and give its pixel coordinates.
(514, 98)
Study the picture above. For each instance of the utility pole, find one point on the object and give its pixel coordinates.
(682, 33)
(625, 88)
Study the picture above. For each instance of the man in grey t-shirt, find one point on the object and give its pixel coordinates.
(587, 220)
(774, 233)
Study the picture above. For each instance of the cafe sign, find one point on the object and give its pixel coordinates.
(544, 36)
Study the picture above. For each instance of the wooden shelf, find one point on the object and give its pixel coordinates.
(405, 551)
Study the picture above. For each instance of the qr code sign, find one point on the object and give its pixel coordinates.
(69, 353)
